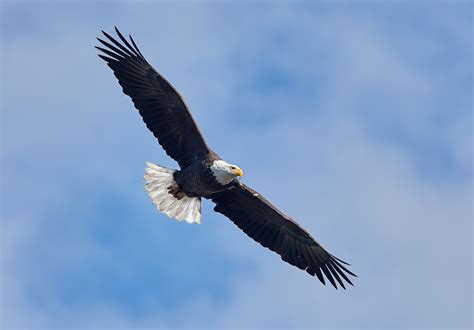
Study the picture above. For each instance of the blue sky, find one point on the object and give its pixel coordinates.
(353, 118)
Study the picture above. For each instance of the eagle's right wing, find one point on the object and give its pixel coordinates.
(162, 108)
(264, 223)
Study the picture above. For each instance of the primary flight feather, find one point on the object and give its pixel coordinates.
(202, 173)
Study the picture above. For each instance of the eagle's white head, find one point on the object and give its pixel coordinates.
(225, 172)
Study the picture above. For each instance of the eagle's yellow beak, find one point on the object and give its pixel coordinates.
(238, 172)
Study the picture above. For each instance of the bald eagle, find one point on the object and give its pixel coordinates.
(203, 174)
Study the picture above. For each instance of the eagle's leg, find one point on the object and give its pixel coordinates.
(176, 192)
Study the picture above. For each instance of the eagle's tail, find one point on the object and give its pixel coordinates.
(165, 194)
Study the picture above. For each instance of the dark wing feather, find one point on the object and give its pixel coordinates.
(162, 108)
(264, 223)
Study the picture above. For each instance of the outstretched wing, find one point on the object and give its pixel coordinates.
(264, 223)
(162, 108)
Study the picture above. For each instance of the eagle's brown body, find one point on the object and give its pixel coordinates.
(197, 180)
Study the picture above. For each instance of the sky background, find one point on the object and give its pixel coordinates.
(355, 118)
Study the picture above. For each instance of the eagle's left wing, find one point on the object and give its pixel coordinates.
(264, 223)
(162, 108)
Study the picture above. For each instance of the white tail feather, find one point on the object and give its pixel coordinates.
(158, 179)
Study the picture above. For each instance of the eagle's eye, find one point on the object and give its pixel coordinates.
(233, 167)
